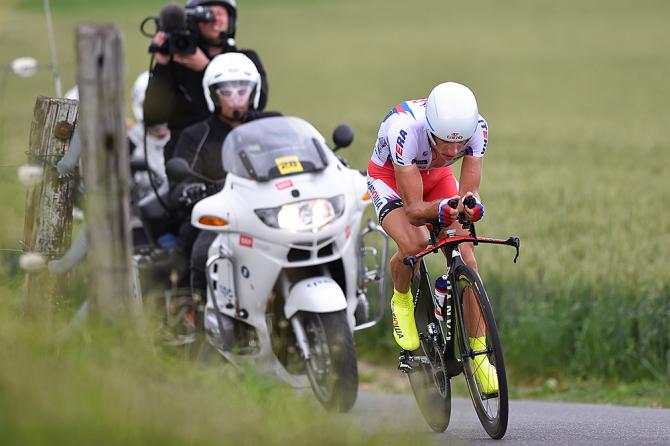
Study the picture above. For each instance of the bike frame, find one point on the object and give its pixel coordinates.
(450, 248)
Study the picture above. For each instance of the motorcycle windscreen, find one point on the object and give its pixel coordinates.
(270, 148)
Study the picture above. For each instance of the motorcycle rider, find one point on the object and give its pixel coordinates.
(231, 85)
(174, 94)
(410, 180)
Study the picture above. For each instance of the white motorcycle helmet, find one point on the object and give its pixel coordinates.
(230, 69)
(137, 95)
(451, 113)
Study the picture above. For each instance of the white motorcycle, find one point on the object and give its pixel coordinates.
(288, 271)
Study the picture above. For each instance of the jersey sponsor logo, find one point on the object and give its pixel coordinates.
(483, 125)
(402, 108)
(422, 162)
(400, 143)
(382, 144)
(376, 199)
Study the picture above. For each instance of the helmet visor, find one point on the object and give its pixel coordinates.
(234, 93)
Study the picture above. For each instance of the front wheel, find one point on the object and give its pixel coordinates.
(481, 352)
(332, 368)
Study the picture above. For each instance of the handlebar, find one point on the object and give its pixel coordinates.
(511, 241)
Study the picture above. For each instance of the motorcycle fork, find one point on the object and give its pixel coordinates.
(224, 254)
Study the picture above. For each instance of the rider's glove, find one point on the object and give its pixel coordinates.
(443, 215)
(479, 210)
(193, 193)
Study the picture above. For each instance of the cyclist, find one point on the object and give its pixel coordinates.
(410, 181)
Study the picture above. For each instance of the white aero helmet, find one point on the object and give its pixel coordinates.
(137, 95)
(451, 113)
(227, 68)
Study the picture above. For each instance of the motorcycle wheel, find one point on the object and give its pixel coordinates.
(332, 368)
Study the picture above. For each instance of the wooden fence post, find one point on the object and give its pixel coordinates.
(47, 227)
(106, 168)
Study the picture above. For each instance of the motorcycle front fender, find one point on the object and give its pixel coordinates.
(319, 294)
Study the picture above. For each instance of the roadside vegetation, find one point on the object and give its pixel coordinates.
(573, 93)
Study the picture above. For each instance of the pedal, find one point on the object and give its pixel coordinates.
(403, 362)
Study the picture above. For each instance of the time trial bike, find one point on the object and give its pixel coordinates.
(458, 334)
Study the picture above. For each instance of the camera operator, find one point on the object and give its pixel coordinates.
(231, 85)
(174, 94)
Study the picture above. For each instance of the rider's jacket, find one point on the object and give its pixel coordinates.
(402, 138)
(200, 144)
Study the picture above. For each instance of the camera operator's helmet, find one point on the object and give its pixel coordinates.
(231, 7)
(234, 74)
(137, 95)
(451, 113)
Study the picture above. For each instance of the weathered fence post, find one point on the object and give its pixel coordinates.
(106, 168)
(47, 228)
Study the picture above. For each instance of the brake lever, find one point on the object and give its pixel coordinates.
(516, 243)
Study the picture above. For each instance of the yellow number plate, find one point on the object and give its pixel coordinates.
(288, 164)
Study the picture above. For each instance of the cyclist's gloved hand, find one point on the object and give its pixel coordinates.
(477, 212)
(445, 213)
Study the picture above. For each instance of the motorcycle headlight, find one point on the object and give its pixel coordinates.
(302, 216)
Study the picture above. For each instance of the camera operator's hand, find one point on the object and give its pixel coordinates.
(159, 40)
(197, 61)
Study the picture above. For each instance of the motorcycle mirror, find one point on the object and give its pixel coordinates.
(138, 165)
(343, 136)
(177, 169)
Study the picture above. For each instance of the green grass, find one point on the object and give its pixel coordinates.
(574, 95)
(114, 384)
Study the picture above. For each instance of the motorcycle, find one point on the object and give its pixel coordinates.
(288, 270)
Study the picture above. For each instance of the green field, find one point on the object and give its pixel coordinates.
(575, 95)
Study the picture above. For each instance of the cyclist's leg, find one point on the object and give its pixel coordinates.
(485, 372)
(410, 239)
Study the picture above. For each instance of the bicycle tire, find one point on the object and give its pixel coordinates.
(434, 403)
(492, 410)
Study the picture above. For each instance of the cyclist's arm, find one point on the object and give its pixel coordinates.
(471, 174)
(410, 186)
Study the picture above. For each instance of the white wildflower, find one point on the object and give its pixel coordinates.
(24, 66)
(32, 261)
(30, 174)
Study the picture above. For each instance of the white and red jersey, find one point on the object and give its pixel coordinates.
(402, 138)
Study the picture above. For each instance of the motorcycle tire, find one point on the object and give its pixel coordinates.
(332, 368)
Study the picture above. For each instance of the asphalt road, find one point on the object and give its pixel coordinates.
(530, 422)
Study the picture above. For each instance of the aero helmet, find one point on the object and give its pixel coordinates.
(231, 7)
(451, 113)
(137, 95)
(230, 68)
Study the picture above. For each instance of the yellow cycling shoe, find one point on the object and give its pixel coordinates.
(404, 327)
(485, 372)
